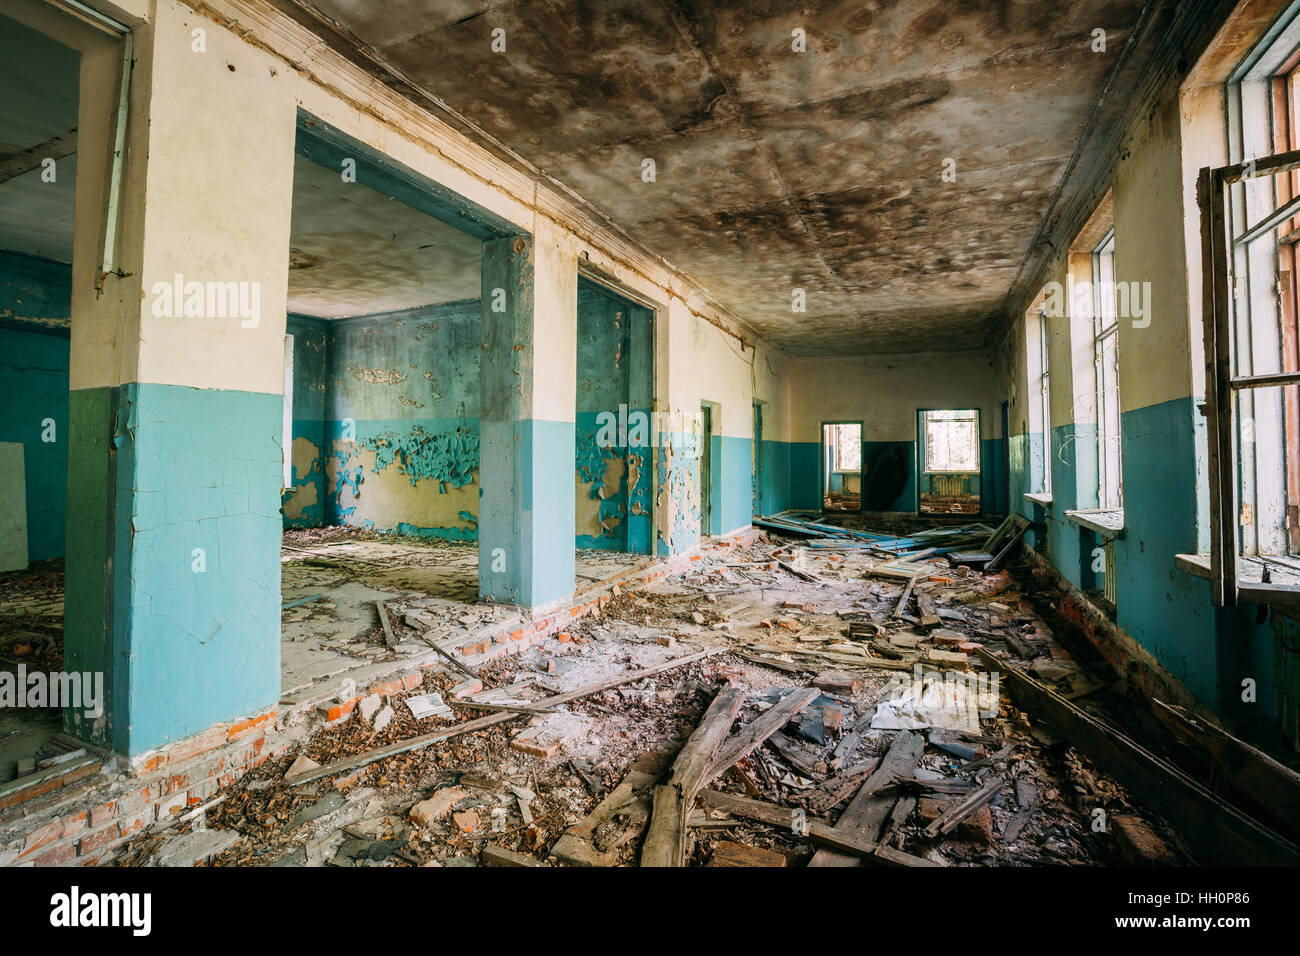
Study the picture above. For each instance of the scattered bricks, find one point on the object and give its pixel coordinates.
(789, 623)
(1138, 844)
(947, 657)
(942, 635)
(564, 637)
(41, 837)
(99, 839)
(61, 855)
(518, 635)
(697, 617)
(210, 739)
(499, 856)
(796, 606)
(969, 647)
(466, 688)
(243, 727)
(383, 719)
(837, 682)
(667, 640)
(171, 806)
(336, 712)
(368, 707)
(437, 806)
(765, 623)
(530, 742)
(832, 718)
(727, 853)
(467, 821)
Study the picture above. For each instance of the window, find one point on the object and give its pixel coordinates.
(951, 441)
(1249, 213)
(847, 442)
(1040, 413)
(1105, 347)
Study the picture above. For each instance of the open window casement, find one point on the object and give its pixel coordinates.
(1249, 217)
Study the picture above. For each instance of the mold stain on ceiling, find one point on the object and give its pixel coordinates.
(776, 169)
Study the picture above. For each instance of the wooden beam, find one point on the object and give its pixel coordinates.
(1216, 829)
(665, 843)
(482, 723)
(752, 737)
(864, 816)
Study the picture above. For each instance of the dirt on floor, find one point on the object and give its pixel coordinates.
(900, 732)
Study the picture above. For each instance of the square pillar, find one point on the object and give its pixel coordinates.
(173, 572)
(528, 376)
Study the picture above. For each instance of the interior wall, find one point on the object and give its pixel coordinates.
(1166, 611)
(885, 393)
(400, 429)
(35, 310)
(612, 421)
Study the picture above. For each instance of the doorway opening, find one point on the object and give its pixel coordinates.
(842, 466)
(949, 442)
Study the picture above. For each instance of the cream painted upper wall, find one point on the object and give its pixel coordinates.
(219, 140)
(885, 392)
(1150, 247)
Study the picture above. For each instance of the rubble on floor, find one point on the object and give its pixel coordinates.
(777, 704)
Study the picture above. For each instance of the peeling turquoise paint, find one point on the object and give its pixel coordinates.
(34, 380)
(191, 610)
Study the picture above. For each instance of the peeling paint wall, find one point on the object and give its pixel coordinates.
(304, 504)
(401, 421)
(35, 306)
(885, 393)
(614, 381)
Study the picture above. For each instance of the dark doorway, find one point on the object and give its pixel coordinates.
(706, 471)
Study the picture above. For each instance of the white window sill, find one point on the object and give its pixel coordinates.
(1039, 497)
(1108, 522)
(1250, 571)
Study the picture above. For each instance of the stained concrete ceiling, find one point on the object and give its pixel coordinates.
(775, 169)
(355, 251)
(38, 119)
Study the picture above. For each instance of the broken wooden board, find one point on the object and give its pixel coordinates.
(665, 843)
(864, 816)
(1272, 787)
(482, 723)
(1219, 831)
(620, 818)
(753, 736)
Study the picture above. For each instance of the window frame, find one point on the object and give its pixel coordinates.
(1045, 399)
(925, 443)
(1110, 476)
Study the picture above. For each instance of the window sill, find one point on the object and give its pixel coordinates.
(1107, 522)
(1039, 497)
(1250, 571)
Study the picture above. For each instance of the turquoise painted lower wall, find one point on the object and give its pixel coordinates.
(34, 381)
(891, 480)
(526, 543)
(35, 310)
(774, 493)
(194, 604)
(735, 465)
(1209, 650)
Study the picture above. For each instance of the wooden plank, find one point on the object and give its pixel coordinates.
(792, 819)
(1271, 785)
(665, 843)
(631, 798)
(907, 593)
(389, 640)
(752, 737)
(849, 742)
(864, 816)
(948, 821)
(482, 723)
(840, 787)
(1217, 830)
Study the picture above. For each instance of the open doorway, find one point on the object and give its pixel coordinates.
(612, 429)
(949, 448)
(842, 466)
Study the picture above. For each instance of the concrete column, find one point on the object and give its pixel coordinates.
(528, 379)
(677, 490)
(173, 575)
